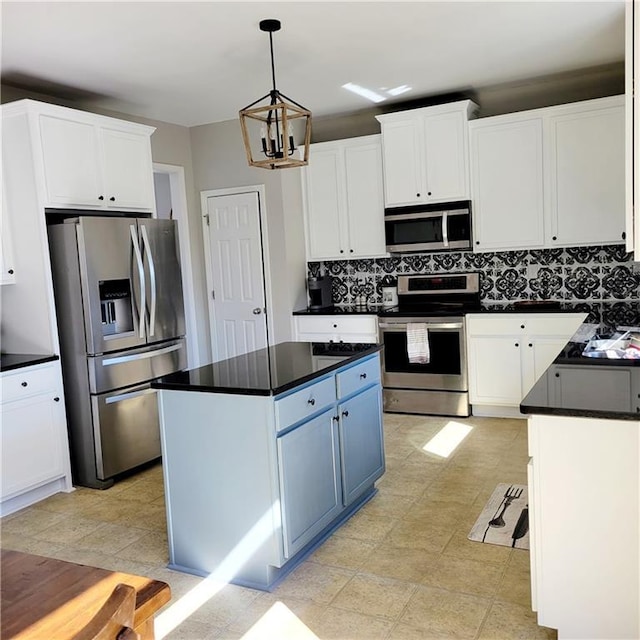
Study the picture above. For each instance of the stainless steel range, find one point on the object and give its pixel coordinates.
(439, 386)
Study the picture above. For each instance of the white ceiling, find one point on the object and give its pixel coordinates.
(192, 63)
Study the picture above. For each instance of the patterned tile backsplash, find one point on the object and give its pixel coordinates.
(599, 280)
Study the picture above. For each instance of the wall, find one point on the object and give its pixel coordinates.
(599, 280)
(220, 162)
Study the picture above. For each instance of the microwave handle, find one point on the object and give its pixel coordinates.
(445, 235)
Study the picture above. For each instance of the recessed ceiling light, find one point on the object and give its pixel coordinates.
(369, 94)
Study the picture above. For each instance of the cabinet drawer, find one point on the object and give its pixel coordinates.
(27, 382)
(301, 404)
(358, 377)
(337, 325)
(527, 324)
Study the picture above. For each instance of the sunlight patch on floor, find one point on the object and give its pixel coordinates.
(178, 612)
(279, 622)
(444, 443)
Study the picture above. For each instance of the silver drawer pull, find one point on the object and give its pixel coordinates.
(311, 401)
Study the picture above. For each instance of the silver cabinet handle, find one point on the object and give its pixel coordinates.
(445, 233)
(152, 280)
(141, 356)
(143, 293)
(257, 311)
(128, 396)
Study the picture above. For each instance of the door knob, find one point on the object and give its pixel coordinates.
(257, 311)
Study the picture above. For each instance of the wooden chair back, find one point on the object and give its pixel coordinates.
(114, 620)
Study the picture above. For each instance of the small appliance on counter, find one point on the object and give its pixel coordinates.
(389, 291)
(320, 295)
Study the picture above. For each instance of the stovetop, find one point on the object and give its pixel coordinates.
(436, 310)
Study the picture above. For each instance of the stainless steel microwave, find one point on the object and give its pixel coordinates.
(428, 227)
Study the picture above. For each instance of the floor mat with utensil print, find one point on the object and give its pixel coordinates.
(505, 518)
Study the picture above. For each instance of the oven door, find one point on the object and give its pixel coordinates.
(447, 366)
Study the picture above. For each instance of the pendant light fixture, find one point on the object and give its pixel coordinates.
(268, 130)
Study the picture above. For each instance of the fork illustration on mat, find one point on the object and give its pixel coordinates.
(510, 495)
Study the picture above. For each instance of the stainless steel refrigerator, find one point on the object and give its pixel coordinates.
(118, 292)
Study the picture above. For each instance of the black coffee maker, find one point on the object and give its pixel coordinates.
(320, 296)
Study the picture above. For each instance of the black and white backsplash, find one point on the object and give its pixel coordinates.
(598, 280)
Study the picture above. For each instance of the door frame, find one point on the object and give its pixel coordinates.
(259, 190)
(177, 187)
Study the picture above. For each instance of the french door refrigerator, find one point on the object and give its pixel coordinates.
(118, 293)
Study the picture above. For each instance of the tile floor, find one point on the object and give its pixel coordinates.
(400, 569)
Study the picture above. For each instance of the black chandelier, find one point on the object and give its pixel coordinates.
(273, 123)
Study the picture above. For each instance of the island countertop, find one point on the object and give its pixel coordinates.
(264, 372)
(577, 385)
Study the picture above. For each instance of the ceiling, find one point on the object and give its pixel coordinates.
(193, 63)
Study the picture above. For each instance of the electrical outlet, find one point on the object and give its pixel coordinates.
(635, 267)
(532, 271)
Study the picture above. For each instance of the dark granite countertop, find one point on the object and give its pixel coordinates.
(610, 387)
(341, 309)
(264, 372)
(10, 361)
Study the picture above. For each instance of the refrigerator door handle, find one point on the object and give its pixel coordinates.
(152, 279)
(141, 356)
(143, 293)
(127, 396)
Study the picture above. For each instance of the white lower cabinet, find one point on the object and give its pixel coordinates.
(35, 450)
(584, 512)
(257, 479)
(508, 353)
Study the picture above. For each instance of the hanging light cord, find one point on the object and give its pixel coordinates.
(273, 64)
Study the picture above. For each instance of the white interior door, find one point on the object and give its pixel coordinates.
(236, 274)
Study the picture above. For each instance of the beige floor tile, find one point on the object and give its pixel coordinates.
(465, 576)
(459, 546)
(29, 522)
(68, 530)
(375, 596)
(508, 621)
(453, 490)
(151, 548)
(410, 565)
(515, 586)
(340, 551)
(110, 538)
(28, 545)
(388, 505)
(315, 582)
(405, 632)
(304, 610)
(365, 527)
(445, 614)
(192, 629)
(224, 605)
(424, 535)
(443, 512)
(396, 483)
(337, 624)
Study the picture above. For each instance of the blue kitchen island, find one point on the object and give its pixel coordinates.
(265, 455)
(584, 495)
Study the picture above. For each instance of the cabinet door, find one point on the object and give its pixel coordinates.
(71, 162)
(446, 157)
(402, 151)
(585, 388)
(365, 203)
(32, 446)
(310, 483)
(325, 199)
(7, 268)
(361, 442)
(507, 184)
(587, 175)
(495, 370)
(128, 170)
(538, 355)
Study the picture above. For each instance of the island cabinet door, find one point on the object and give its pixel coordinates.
(310, 483)
(361, 442)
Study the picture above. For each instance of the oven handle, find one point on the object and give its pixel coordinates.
(402, 326)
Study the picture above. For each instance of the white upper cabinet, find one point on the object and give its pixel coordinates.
(507, 183)
(585, 155)
(344, 209)
(7, 267)
(96, 162)
(551, 177)
(425, 154)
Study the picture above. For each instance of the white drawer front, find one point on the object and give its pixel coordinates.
(527, 324)
(301, 404)
(28, 382)
(357, 377)
(337, 324)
